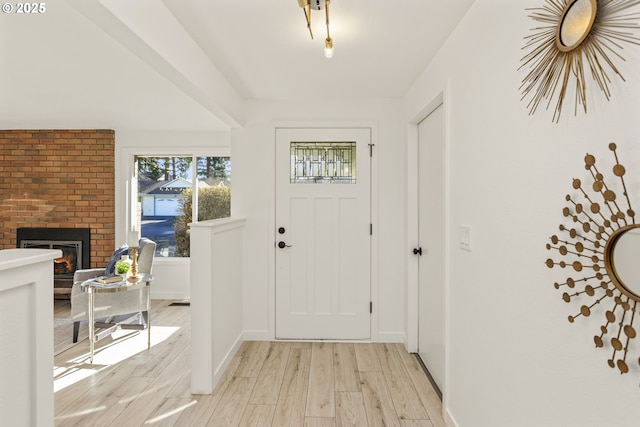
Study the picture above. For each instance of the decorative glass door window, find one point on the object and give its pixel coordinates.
(323, 162)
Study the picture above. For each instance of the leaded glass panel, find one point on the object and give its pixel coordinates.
(323, 162)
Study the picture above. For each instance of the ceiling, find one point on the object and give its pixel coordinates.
(265, 51)
(190, 64)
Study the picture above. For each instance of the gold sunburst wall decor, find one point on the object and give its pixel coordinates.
(575, 39)
(601, 248)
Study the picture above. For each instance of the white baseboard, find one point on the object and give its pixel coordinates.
(224, 364)
(448, 419)
(384, 337)
(257, 336)
(392, 337)
(170, 295)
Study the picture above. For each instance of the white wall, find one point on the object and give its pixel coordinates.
(172, 275)
(513, 359)
(253, 195)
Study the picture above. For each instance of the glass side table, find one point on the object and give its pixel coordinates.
(93, 287)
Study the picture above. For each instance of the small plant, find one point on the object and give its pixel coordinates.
(122, 267)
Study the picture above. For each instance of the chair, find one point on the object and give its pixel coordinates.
(109, 308)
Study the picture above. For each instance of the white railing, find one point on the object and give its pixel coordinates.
(216, 299)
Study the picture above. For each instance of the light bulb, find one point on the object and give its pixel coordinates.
(328, 47)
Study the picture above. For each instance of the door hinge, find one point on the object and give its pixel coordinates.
(370, 229)
(371, 149)
(370, 307)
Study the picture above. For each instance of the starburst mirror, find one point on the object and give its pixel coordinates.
(600, 243)
(574, 38)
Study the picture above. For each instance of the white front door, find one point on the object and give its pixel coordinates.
(431, 223)
(322, 233)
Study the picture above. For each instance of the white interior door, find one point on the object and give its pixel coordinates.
(322, 234)
(431, 223)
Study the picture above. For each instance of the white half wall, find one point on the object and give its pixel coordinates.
(26, 340)
(216, 306)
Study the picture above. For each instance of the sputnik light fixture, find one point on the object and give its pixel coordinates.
(574, 46)
(306, 6)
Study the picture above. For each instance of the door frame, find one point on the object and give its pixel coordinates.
(373, 188)
(413, 229)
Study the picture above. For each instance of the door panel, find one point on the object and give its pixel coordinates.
(431, 223)
(323, 270)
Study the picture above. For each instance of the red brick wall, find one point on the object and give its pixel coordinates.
(58, 178)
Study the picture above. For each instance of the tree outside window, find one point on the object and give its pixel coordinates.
(166, 186)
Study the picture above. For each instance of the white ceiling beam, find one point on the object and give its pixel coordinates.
(151, 32)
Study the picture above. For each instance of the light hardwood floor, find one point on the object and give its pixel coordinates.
(267, 383)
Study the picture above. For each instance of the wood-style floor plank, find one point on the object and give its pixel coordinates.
(366, 358)
(200, 413)
(345, 367)
(292, 384)
(425, 390)
(169, 411)
(301, 344)
(377, 400)
(319, 422)
(257, 416)
(270, 378)
(182, 388)
(321, 394)
(234, 401)
(253, 354)
(415, 423)
(292, 401)
(90, 396)
(107, 410)
(350, 411)
(141, 408)
(403, 393)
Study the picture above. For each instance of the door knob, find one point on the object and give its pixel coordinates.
(417, 251)
(283, 245)
(281, 230)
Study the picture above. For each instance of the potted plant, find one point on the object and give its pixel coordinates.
(123, 266)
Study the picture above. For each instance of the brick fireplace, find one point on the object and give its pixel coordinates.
(58, 179)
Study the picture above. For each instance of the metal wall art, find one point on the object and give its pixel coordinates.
(575, 39)
(602, 247)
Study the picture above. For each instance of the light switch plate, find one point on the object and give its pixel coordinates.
(465, 237)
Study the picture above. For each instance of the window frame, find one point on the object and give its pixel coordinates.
(130, 154)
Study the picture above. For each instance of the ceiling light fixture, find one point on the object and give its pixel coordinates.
(328, 42)
(306, 6)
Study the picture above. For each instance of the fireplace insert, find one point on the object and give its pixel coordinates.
(75, 244)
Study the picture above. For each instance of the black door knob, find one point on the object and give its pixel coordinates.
(281, 230)
(417, 251)
(283, 245)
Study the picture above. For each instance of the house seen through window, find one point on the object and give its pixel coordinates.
(166, 202)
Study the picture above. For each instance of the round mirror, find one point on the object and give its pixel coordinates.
(575, 24)
(622, 261)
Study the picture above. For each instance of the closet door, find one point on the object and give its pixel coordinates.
(431, 223)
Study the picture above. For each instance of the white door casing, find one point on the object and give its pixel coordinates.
(431, 228)
(323, 284)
